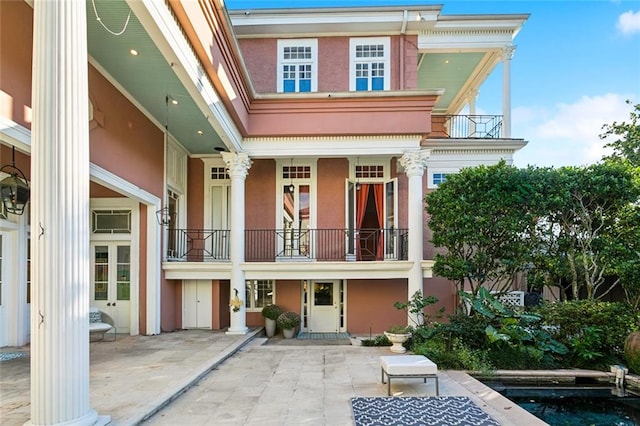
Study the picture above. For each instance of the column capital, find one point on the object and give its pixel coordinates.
(238, 164)
(414, 162)
(507, 53)
(472, 94)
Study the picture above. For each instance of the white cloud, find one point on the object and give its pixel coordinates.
(567, 134)
(629, 23)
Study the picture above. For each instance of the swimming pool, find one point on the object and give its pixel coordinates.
(579, 405)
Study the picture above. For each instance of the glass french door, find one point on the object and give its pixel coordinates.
(111, 281)
(372, 220)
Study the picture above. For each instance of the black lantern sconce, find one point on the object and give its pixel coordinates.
(163, 216)
(291, 187)
(14, 189)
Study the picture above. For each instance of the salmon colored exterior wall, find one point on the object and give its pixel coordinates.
(261, 59)
(16, 23)
(195, 193)
(129, 145)
(332, 175)
(289, 295)
(260, 192)
(370, 305)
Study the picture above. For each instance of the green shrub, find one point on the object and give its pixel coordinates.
(594, 331)
(380, 340)
(272, 312)
(288, 320)
(454, 355)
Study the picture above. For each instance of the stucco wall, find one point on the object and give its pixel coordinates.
(260, 57)
(16, 24)
(370, 305)
(260, 193)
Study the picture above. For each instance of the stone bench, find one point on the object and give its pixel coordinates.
(100, 323)
(408, 366)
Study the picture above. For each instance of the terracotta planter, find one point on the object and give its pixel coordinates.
(270, 327)
(397, 340)
(632, 351)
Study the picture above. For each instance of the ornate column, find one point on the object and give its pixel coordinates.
(238, 165)
(507, 55)
(60, 271)
(414, 163)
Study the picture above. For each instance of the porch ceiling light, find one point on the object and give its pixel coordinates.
(14, 189)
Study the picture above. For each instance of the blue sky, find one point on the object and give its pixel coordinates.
(575, 65)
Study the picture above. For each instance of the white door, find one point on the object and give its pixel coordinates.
(325, 307)
(196, 304)
(111, 264)
(220, 217)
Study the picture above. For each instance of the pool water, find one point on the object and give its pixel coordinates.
(579, 406)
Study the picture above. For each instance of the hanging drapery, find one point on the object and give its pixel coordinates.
(361, 207)
(378, 193)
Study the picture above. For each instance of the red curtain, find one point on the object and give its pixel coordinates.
(378, 193)
(362, 195)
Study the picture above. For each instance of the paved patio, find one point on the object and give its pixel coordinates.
(200, 377)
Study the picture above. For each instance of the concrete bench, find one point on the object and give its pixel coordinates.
(408, 366)
(100, 323)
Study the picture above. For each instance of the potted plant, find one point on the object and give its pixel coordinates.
(398, 334)
(288, 321)
(271, 314)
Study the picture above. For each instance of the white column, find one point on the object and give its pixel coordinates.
(414, 163)
(472, 96)
(507, 55)
(60, 280)
(238, 166)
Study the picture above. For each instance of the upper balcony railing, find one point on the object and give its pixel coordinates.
(271, 245)
(466, 126)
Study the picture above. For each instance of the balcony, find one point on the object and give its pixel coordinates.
(290, 245)
(466, 126)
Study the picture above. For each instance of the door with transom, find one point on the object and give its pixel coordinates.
(111, 264)
(325, 307)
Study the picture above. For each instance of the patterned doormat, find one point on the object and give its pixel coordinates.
(436, 411)
(322, 336)
(6, 356)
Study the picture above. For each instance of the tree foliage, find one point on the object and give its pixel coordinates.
(481, 216)
(569, 225)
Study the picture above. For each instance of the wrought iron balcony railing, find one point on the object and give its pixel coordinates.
(466, 126)
(270, 245)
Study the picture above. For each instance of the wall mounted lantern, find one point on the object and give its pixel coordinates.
(14, 189)
(163, 216)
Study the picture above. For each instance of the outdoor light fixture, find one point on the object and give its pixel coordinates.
(14, 189)
(291, 185)
(163, 216)
(356, 173)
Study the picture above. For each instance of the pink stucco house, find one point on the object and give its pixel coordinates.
(283, 154)
(180, 154)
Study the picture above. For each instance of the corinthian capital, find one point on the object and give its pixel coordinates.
(238, 164)
(414, 162)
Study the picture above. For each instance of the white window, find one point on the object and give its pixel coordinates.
(369, 65)
(259, 293)
(297, 66)
(437, 177)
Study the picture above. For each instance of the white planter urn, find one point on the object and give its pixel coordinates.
(270, 327)
(397, 340)
(288, 332)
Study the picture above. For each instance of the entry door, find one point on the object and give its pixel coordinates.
(325, 303)
(112, 281)
(196, 305)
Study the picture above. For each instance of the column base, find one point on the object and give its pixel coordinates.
(237, 331)
(90, 419)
